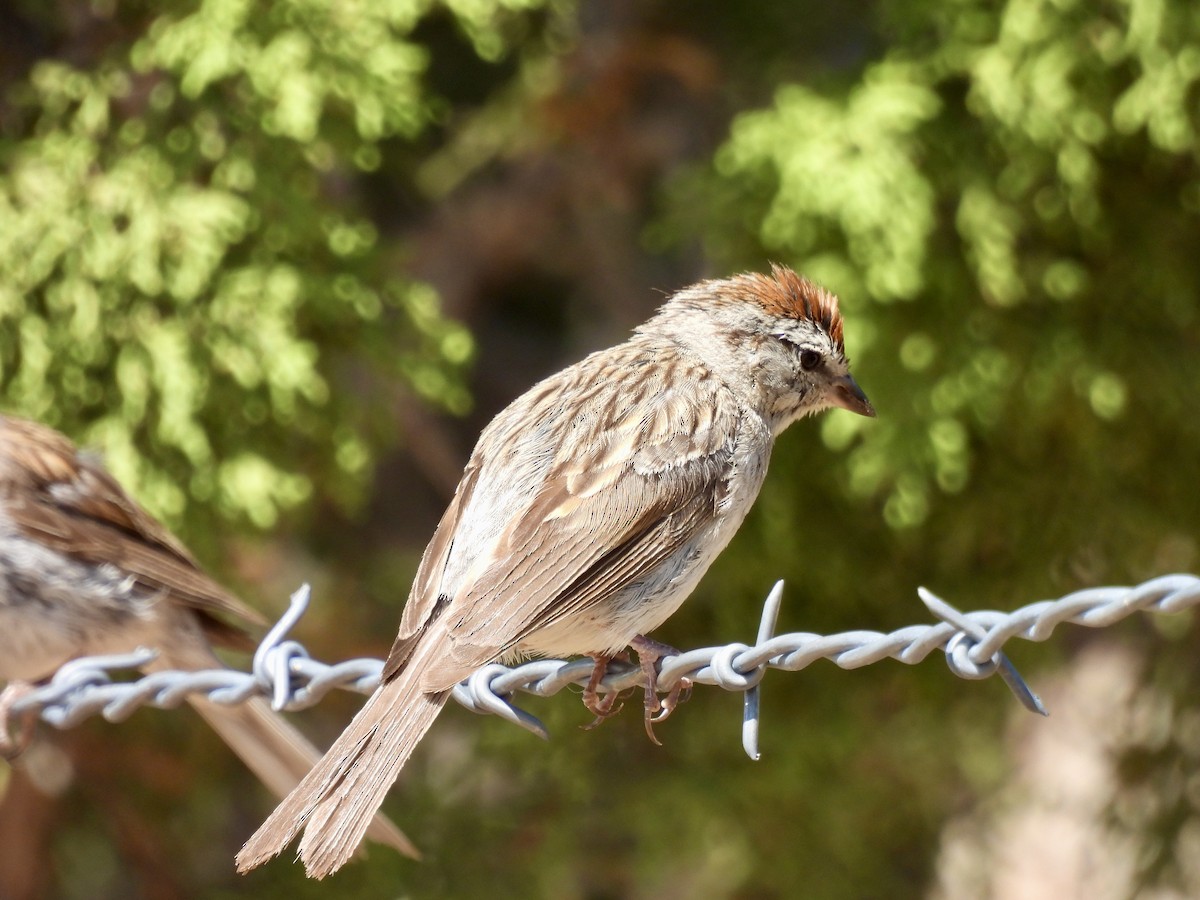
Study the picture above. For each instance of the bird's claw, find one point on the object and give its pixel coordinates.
(658, 709)
(602, 707)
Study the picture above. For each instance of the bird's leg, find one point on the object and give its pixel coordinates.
(606, 706)
(12, 745)
(657, 709)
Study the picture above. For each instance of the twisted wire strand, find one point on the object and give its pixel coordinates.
(283, 670)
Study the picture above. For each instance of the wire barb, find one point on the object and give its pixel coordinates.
(283, 670)
(960, 661)
(752, 697)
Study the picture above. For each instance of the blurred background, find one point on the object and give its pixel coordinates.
(282, 261)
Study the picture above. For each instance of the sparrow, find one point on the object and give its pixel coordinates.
(85, 570)
(587, 513)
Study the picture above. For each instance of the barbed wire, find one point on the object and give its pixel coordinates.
(284, 671)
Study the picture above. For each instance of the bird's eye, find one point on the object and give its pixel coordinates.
(809, 360)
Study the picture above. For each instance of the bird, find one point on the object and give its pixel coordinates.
(85, 570)
(588, 511)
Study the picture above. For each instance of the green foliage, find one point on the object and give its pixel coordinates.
(185, 257)
(844, 173)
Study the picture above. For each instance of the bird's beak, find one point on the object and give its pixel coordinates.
(848, 395)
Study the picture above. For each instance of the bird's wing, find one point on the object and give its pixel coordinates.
(68, 502)
(625, 477)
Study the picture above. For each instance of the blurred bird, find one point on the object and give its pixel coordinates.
(85, 570)
(587, 513)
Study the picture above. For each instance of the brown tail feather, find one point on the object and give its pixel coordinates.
(335, 801)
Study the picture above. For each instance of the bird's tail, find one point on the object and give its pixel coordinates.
(336, 800)
(267, 743)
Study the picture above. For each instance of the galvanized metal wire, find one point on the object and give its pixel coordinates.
(284, 671)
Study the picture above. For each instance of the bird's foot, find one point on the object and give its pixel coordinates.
(658, 708)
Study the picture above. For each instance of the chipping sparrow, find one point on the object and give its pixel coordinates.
(587, 513)
(84, 570)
